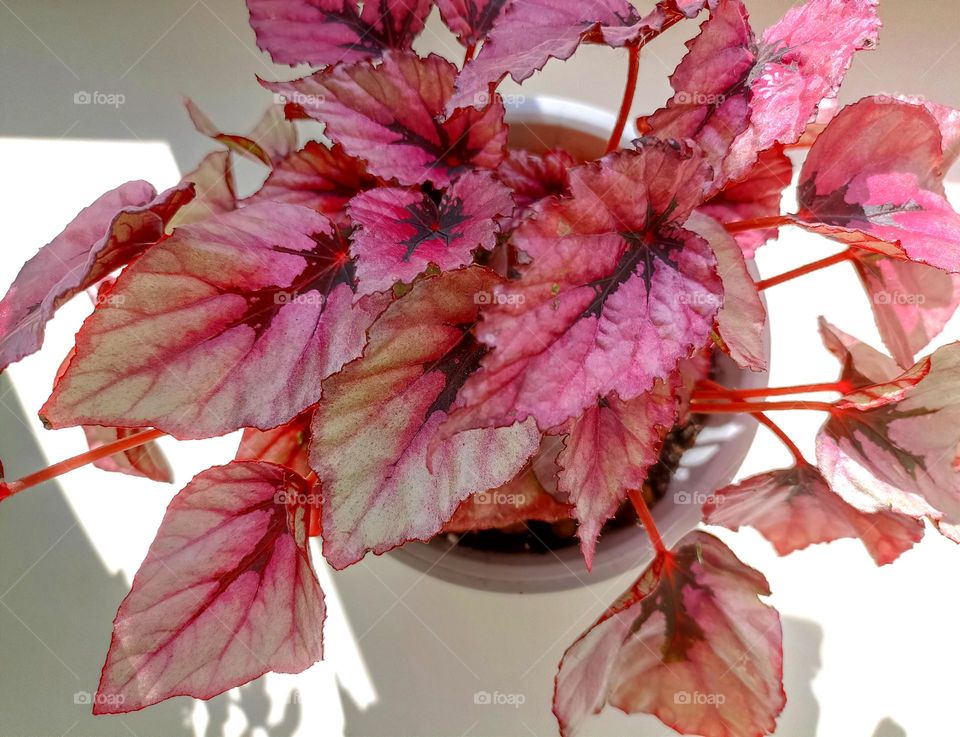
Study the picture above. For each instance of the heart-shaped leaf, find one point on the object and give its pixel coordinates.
(104, 236)
(690, 642)
(402, 231)
(615, 294)
(387, 114)
(230, 322)
(321, 32)
(794, 508)
(226, 593)
(379, 417)
(885, 193)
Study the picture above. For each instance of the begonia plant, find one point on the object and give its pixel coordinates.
(411, 312)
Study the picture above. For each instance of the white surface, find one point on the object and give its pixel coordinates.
(863, 645)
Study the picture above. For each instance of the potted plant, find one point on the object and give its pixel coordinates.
(418, 314)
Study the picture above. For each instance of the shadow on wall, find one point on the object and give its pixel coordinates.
(57, 603)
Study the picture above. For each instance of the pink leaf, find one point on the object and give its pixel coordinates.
(887, 189)
(615, 294)
(271, 140)
(528, 33)
(323, 179)
(379, 416)
(320, 32)
(911, 302)
(226, 593)
(285, 445)
(690, 643)
(104, 236)
(255, 307)
(756, 195)
(736, 96)
(520, 500)
(742, 316)
(898, 451)
(471, 20)
(359, 104)
(608, 451)
(216, 190)
(533, 177)
(794, 508)
(402, 231)
(145, 460)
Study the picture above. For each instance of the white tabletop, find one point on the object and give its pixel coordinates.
(405, 652)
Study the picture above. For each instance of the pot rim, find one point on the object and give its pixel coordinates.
(711, 463)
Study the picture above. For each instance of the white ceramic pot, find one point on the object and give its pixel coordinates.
(710, 464)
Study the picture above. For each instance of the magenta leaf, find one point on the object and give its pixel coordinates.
(756, 195)
(254, 306)
(862, 365)
(285, 445)
(794, 508)
(104, 236)
(742, 316)
(737, 96)
(323, 179)
(894, 446)
(402, 231)
(690, 642)
(321, 32)
(520, 500)
(379, 417)
(271, 140)
(615, 294)
(145, 460)
(532, 177)
(911, 302)
(471, 20)
(608, 451)
(226, 593)
(528, 33)
(885, 193)
(359, 104)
